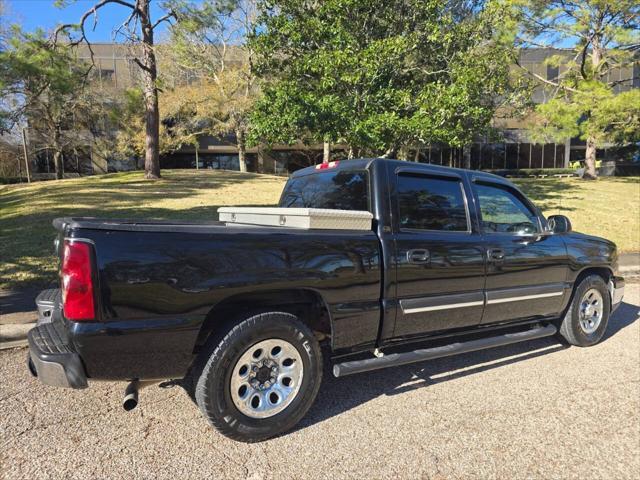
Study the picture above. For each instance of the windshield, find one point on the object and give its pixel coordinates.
(340, 190)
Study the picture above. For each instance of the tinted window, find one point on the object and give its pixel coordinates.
(502, 211)
(341, 190)
(431, 204)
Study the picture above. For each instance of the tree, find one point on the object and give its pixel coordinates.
(10, 159)
(138, 29)
(186, 113)
(4, 120)
(209, 44)
(586, 101)
(127, 117)
(382, 77)
(43, 84)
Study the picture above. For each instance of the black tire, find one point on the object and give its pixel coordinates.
(570, 327)
(212, 378)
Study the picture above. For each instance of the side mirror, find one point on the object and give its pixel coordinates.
(559, 224)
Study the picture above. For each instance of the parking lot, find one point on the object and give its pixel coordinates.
(537, 409)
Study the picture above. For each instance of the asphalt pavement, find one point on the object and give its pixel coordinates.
(532, 410)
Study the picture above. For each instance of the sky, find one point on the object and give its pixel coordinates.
(33, 14)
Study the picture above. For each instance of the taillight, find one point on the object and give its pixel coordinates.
(77, 282)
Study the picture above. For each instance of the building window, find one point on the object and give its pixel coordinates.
(486, 157)
(475, 156)
(524, 154)
(559, 156)
(106, 75)
(536, 156)
(44, 161)
(512, 156)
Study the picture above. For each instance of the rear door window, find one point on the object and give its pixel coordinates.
(430, 203)
(341, 190)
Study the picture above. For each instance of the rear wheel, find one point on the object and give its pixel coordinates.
(260, 378)
(587, 317)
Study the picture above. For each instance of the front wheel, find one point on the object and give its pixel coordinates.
(587, 317)
(261, 378)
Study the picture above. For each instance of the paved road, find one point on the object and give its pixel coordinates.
(533, 410)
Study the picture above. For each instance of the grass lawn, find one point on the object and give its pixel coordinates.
(608, 207)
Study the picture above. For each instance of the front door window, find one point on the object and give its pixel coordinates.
(503, 212)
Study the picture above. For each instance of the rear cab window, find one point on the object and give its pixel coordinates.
(337, 189)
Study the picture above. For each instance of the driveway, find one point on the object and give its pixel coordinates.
(537, 409)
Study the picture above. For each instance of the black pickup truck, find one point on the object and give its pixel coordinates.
(241, 316)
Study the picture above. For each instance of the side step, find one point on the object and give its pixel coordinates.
(396, 359)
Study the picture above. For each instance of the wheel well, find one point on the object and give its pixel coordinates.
(603, 272)
(307, 305)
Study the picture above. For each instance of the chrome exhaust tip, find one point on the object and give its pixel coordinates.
(130, 400)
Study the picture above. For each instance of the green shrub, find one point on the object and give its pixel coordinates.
(534, 171)
(8, 180)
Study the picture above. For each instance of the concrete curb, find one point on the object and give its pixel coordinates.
(14, 335)
(17, 318)
(13, 344)
(630, 273)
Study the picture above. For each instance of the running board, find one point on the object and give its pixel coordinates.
(396, 359)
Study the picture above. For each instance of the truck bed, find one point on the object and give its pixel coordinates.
(159, 280)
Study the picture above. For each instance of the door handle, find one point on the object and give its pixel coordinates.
(495, 254)
(418, 256)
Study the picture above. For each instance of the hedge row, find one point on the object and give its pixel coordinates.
(535, 171)
(7, 180)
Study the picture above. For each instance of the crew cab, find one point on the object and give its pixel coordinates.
(242, 315)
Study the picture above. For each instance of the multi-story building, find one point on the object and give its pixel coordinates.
(116, 70)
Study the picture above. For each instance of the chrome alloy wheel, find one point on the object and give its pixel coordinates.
(266, 378)
(591, 311)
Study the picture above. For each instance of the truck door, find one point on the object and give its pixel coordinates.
(439, 256)
(526, 273)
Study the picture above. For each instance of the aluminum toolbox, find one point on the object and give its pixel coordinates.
(308, 218)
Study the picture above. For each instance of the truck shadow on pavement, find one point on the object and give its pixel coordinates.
(338, 395)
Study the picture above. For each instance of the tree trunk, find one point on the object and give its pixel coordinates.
(466, 154)
(590, 172)
(152, 114)
(57, 162)
(390, 153)
(26, 158)
(326, 152)
(58, 159)
(242, 149)
(260, 160)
